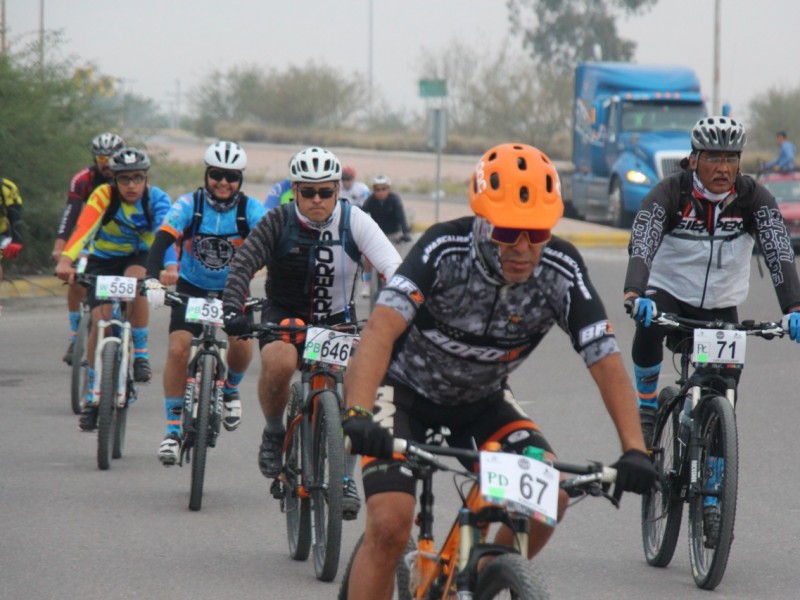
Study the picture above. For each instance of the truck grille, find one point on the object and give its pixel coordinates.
(669, 166)
(668, 162)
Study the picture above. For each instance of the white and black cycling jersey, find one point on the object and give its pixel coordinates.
(311, 268)
(477, 330)
(699, 251)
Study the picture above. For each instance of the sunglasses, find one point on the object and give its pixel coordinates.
(380, 189)
(130, 179)
(229, 176)
(102, 160)
(308, 192)
(509, 236)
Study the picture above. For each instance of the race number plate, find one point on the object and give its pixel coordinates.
(110, 287)
(719, 346)
(201, 310)
(523, 484)
(331, 347)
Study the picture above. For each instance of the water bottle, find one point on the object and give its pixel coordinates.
(685, 420)
(534, 453)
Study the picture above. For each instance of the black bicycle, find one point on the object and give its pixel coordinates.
(530, 487)
(695, 445)
(205, 380)
(311, 484)
(79, 362)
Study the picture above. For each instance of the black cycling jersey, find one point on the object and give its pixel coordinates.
(477, 330)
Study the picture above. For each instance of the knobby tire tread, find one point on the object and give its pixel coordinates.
(78, 376)
(297, 510)
(201, 426)
(512, 572)
(327, 453)
(105, 408)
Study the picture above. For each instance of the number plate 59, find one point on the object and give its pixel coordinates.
(718, 346)
(201, 310)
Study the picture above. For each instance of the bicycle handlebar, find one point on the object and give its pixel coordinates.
(278, 330)
(171, 298)
(766, 329)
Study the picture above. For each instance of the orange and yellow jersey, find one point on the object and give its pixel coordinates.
(129, 231)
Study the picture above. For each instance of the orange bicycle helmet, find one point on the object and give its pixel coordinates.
(516, 185)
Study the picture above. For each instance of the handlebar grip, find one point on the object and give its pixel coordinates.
(609, 475)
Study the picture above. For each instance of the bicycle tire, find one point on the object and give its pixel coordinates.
(511, 573)
(296, 509)
(662, 510)
(402, 574)
(327, 462)
(201, 430)
(105, 405)
(718, 435)
(120, 421)
(79, 380)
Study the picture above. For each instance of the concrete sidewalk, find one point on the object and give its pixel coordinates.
(424, 211)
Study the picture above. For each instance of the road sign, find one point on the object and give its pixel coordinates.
(433, 88)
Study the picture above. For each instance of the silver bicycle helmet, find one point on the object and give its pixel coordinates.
(315, 165)
(382, 180)
(106, 144)
(718, 134)
(129, 159)
(226, 155)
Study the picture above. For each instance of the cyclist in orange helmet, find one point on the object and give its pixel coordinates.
(473, 298)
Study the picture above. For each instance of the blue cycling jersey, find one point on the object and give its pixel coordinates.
(209, 246)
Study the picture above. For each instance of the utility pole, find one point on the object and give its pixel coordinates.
(715, 93)
(41, 38)
(3, 47)
(369, 63)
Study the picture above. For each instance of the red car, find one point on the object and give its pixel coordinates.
(786, 189)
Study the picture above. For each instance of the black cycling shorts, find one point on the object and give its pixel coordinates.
(497, 418)
(111, 266)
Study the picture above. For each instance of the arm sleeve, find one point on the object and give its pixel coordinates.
(157, 256)
(649, 228)
(68, 218)
(89, 221)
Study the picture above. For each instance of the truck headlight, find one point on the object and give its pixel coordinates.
(637, 177)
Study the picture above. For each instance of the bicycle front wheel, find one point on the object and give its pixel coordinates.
(201, 425)
(296, 508)
(105, 407)
(662, 509)
(79, 381)
(712, 507)
(327, 460)
(511, 576)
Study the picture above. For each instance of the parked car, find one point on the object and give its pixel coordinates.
(786, 189)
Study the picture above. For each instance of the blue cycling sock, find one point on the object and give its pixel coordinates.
(90, 385)
(647, 384)
(233, 380)
(173, 407)
(139, 335)
(74, 319)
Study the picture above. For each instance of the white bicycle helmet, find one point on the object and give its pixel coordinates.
(314, 165)
(129, 159)
(718, 134)
(106, 144)
(381, 180)
(226, 155)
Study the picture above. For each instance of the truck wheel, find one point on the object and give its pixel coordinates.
(617, 215)
(570, 212)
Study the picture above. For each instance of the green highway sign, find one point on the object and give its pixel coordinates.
(433, 88)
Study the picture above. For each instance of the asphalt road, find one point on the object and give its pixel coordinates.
(68, 530)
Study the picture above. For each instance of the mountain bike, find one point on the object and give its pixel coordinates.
(114, 389)
(79, 363)
(311, 484)
(205, 380)
(695, 446)
(456, 569)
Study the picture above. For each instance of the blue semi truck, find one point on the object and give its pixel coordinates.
(631, 129)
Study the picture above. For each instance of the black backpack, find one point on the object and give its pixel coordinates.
(113, 207)
(290, 237)
(199, 205)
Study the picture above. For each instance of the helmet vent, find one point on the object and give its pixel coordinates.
(494, 181)
(549, 183)
(524, 194)
(521, 164)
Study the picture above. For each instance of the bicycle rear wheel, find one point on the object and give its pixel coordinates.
(709, 545)
(511, 576)
(327, 461)
(201, 432)
(662, 509)
(296, 509)
(106, 412)
(79, 381)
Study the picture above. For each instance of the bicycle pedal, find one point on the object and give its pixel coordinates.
(277, 489)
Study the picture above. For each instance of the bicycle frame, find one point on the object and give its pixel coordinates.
(124, 340)
(204, 345)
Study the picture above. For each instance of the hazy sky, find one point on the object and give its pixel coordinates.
(154, 44)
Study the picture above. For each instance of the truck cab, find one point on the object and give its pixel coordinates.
(632, 128)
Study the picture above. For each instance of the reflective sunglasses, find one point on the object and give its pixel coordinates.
(325, 193)
(102, 160)
(130, 179)
(229, 176)
(509, 236)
